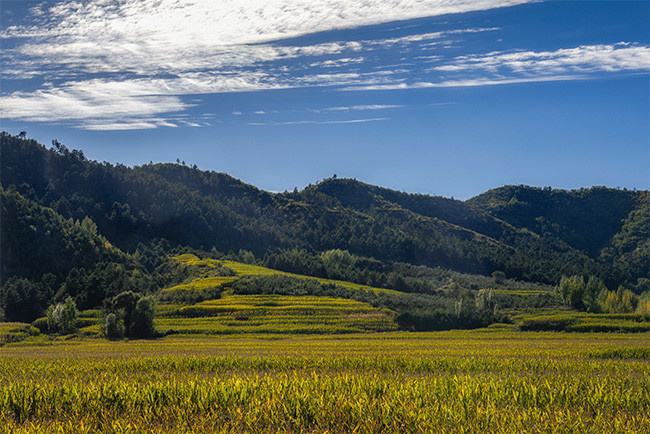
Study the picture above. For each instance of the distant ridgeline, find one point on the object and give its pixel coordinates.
(77, 228)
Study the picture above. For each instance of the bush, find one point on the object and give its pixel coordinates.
(130, 315)
(62, 318)
(142, 325)
(113, 327)
(190, 296)
(547, 323)
(429, 320)
(41, 324)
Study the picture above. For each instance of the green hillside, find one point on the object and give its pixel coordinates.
(46, 257)
(549, 236)
(586, 219)
(77, 228)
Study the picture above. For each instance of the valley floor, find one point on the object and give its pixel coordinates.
(486, 380)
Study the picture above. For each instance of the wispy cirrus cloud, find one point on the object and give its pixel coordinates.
(310, 121)
(363, 107)
(134, 64)
(158, 51)
(622, 56)
(520, 66)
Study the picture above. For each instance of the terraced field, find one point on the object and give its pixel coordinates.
(261, 313)
(274, 314)
(201, 283)
(586, 322)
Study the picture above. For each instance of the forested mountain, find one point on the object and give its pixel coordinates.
(528, 233)
(586, 219)
(47, 257)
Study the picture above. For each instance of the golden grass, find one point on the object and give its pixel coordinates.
(459, 381)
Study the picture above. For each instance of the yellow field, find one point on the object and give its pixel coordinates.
(201, 283)
(274, 314)
(470, 381)
(277, 363)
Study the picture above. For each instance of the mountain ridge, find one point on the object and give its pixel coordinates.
(522, 231)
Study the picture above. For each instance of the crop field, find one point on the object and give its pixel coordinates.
(274, 314)
(484, 380)
(586, 322)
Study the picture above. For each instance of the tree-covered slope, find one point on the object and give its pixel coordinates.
(46, 257)
(36, 240)
(586, 219)
(205, 210)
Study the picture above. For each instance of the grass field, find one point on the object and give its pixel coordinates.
(486, 380)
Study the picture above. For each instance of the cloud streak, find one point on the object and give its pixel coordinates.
(498, 68)
(622, 56)
(313, 122)
(364, 107)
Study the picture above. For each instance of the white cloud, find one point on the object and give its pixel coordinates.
(190, 124)
(145, 54)
(182, 23)
(336, 63)
(364, 107)
(101, 62)
(587, 58)
(126, 125)
(347, 121)
(354, 121)
(528, 66)
(463, 83)
(86, 101)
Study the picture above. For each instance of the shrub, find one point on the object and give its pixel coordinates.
(551, 323)
(62, 318)
(142, 325)
(41, 324)
(113, 327)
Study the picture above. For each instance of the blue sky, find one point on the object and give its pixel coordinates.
(444, 97)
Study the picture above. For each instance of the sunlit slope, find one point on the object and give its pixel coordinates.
(263, 313)
(242, 270)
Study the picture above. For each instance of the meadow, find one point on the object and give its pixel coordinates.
(486, 380)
